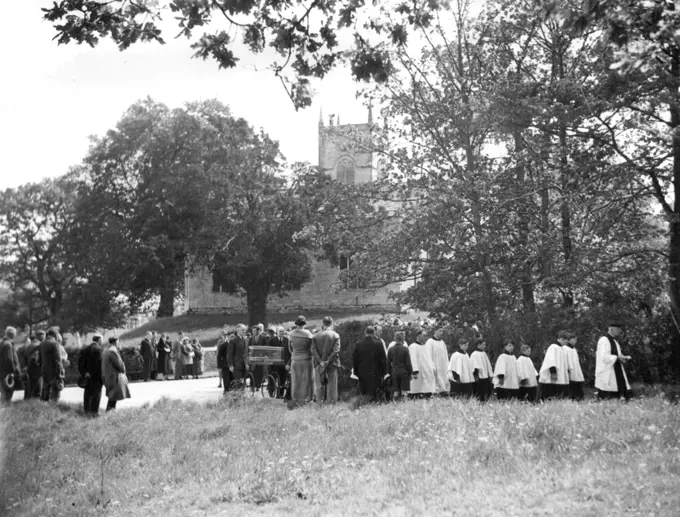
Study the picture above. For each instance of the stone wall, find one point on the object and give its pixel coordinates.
(321, 292)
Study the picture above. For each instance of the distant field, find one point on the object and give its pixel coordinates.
(255, 457)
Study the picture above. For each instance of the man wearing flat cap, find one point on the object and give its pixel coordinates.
(326, 357)
(610, 376)
(90, 369)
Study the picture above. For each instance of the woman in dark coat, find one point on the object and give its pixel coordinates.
(198, 357)
(163, 356)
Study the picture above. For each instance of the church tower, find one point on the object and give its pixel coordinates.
(345, 154)
(346, 151)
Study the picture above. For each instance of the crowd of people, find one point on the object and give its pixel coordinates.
(311, 363)
(424, 368)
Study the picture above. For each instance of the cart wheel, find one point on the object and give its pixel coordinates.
(269, 387)
(249, 383)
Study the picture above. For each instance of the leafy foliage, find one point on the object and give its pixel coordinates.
(38, 260)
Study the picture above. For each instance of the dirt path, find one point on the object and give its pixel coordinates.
(199, 390)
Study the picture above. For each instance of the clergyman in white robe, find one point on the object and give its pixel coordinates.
(421, 361)
(440, 360)
(611, 380)
(554, 375)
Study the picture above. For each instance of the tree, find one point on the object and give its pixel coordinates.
(642, 126)
(38, 264)
(552, 216)
(149, 188)
(305, 36)
(262, 247)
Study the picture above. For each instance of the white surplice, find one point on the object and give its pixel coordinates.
(440, 360)
(480, 361)
(527, 371)
(460, 364)
(421, 360)
(506, 365)
(555, 357)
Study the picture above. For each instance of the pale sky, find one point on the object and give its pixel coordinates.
(52, 97)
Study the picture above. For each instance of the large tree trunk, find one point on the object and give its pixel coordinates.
(166, 308)
(565, 174)
(256, 297)
(674, 218)
(528, 301)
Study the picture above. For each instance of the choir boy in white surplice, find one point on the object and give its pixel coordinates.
(482, 371)
(505, 375)
(611, 380)
(460, 372)
(553, 375)
(528, 383)
(576, 378)
(423, 382)
(440, 360)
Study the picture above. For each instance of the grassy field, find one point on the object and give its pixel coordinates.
(255, 457)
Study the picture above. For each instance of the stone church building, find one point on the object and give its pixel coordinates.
(345, 155)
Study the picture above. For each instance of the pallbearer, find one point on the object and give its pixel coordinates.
(482, 371)
(576, 379)
(611, 380)
(554, 376)
(528, 385)
(460, 371)
(505, 375)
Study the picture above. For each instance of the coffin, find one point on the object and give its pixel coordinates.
(265, 355)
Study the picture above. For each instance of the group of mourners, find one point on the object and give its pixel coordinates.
(40, 366)
(183, 357)
(311, 362)
(424, 368)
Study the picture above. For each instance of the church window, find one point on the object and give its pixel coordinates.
(345, 170)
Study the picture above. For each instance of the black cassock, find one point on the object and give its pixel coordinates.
(370, 364)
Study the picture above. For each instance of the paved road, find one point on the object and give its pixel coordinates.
(199, 390)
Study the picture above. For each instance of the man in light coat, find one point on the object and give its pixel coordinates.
(611, 380)
(326, 357)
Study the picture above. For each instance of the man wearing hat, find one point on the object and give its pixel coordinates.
(326, 357)
(610, 376)
(9, 366)
(90, 369)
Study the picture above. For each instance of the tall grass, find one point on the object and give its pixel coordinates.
(420, 458)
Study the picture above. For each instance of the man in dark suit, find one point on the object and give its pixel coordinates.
(222, 343)
(9, 366)
(237, 354)
(146, 351)
(90, 368)
(32, 368)
(369, 363)
(52, 368)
